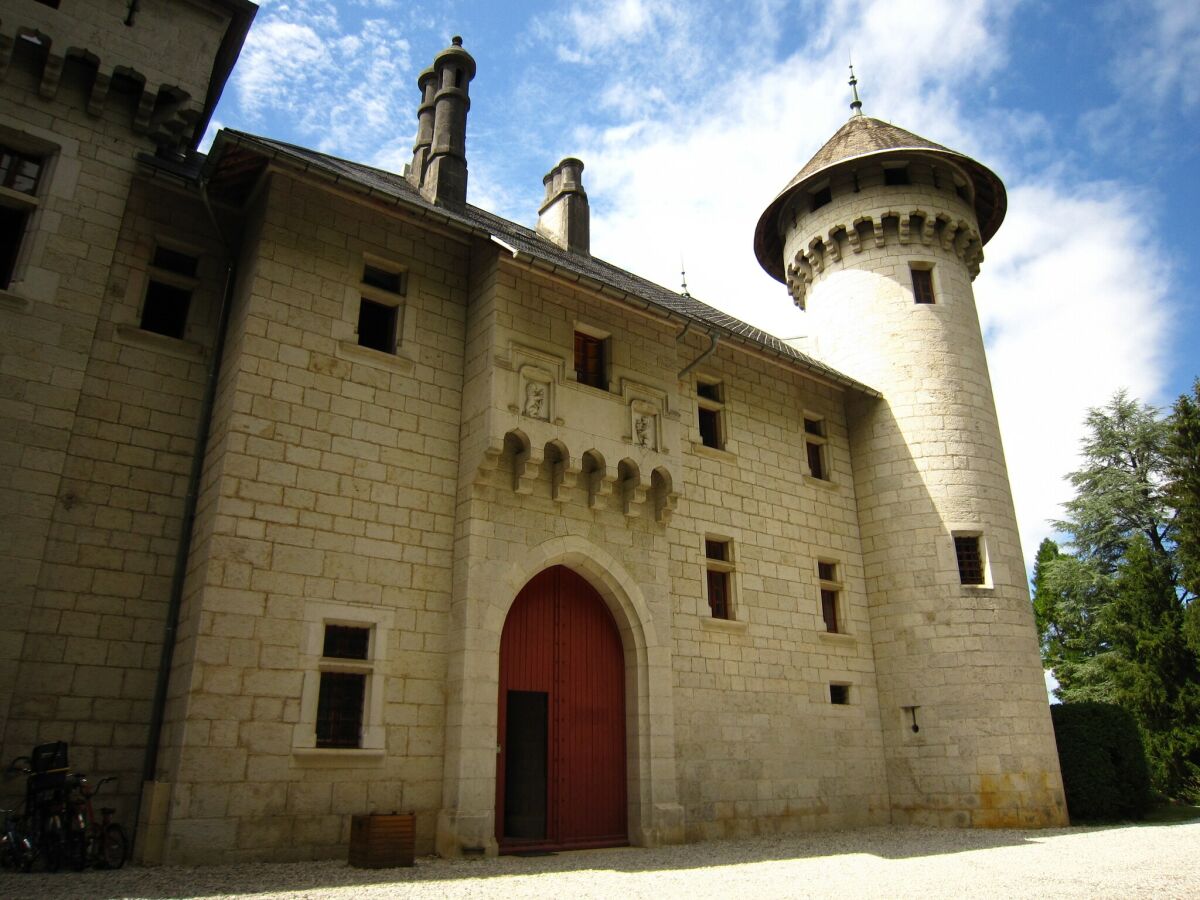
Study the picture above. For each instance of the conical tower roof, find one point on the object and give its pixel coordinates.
(863, 137)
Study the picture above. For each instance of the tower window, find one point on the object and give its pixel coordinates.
(896, 175)
(380, 306)
(822, 197)
(718, 560)
(342, 692)
(709, 412)
(831, 595)
(839, 694)
(591, 360)
(815, 448)
(169, 292)
(968, 550)
(922, 282)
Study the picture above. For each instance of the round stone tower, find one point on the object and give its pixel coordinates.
(879, 237)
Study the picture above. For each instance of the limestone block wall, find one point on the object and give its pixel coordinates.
(87, 497)
(760, 746)
(960, 661)
(329, 498)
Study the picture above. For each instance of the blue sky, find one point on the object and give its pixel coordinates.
(691, 116)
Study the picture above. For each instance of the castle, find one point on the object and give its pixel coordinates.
(326, 492)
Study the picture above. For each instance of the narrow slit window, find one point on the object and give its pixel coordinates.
(831, 594)
(710, 414)
(20, 173)
(922, 282)
(815, 448)
(719, 577)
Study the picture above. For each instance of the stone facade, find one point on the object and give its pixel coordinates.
(229, 492)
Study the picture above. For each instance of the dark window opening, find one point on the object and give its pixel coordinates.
(166, 308)
(710, 428)
(896, 176)
(839, 694)
(816, 460)
(19, 171)
(827, 571)
(709, 391)
(718, 550)
(377, 325)
(970, 559)
(12, 229)
(393, 282)
(829, 609)
(590, 361)
(718, 594)
(346, 642)
(339, 709)
(814, 426)
(821, 197)
(922, 280)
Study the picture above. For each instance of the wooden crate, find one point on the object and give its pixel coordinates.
(382, 841)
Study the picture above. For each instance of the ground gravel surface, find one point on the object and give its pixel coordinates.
(1124, 862)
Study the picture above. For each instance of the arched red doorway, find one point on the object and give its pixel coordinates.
(560, 774)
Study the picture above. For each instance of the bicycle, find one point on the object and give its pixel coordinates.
(101, 844)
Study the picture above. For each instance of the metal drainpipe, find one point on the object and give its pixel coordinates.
(184, 546)
(713, 338)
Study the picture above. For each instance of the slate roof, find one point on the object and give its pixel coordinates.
(527, 245)
(862, 137)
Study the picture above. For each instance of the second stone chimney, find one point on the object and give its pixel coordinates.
(563, 215)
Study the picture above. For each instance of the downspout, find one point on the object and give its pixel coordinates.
(713, 338)
(186, 525)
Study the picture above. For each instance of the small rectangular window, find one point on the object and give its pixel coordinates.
(709, 414)
(821, 198)
(392, 282)
(922, 281)
(20, 171)
(169, 292)
(896, 175)
(719, 577)
(377, 325)
(970, 558)
(591, 364)
(815, 448)
(839, 694)
(346, 642)
(831, 594)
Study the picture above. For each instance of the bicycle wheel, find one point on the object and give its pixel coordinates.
(113, 847)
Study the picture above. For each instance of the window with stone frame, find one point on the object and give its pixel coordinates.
(830, 586)
(710, 413)
(719, 571)
(816, 448)
(20, 179)
(345, 670)
(839, 694)
(171, 280)
(972, 561)
(591, 360)
(922, 282)
(381, 306)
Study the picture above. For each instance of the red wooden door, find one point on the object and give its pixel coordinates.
(560, 776)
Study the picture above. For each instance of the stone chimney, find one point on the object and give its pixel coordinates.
(563, 216)
(427, 83)
(444, 179)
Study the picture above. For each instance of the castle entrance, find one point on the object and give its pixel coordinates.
(560, 777)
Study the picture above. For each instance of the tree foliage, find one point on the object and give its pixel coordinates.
(1115, 612)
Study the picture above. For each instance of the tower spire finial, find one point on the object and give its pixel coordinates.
(855, 104)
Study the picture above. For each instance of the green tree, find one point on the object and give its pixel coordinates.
(1114, 613)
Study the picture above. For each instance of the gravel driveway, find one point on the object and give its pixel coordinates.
(890, 862)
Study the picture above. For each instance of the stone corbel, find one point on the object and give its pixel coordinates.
(877, 230)
(527, 465)
(633, 496)
(835, 249)
(145, 110)
(905, 229)
(664, 505)
(563, 477)
(854, 238)
(929, 229)
(51, 75)
(948, 235)
(600, 485)
(99, 94)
